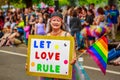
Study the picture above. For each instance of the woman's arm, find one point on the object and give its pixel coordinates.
(74, 58)
(96, 20)
(35, 32)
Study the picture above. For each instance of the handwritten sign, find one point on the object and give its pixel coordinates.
(50, 56)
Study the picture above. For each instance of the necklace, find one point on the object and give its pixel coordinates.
(56, 33)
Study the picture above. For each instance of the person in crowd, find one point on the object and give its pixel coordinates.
(7, 32)
(27, 31)
(45, 18)
(107, 14)
(75, 27)
(92, 6)
(40, 27)
(117, 62)
(20, 27)
(114, 13)
(20, 22)
(7, 22)
(88, 22)
(13, 23)
(100, 19)
(26, 16)
(89, 18)
(114, 56)
(15, 38)
(67, 18)
(32, 23)
(57, 29)
(83, 16)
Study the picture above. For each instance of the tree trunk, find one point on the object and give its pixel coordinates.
(28, 3)
(56, 2)
(8, 4)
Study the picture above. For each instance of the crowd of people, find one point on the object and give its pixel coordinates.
(85, 24)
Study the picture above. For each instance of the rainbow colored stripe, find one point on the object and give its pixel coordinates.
(99, 52)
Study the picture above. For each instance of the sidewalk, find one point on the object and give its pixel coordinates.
(22, 45)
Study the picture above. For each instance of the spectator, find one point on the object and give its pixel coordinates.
(40, 27)
(7, 22)
(27, 33)
(15, 38)
(67, 18)
(13, 23)
(100, 19)
(92, 6)
(32, 23)
(88, 22)
(107, 14)
(83, 16)
(7, 33)
(75, 27)
(114, 13)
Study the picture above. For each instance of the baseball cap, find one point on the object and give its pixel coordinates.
(58, 14)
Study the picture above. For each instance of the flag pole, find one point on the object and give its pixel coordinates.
(81, 54)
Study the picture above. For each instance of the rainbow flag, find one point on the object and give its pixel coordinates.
(99, 52)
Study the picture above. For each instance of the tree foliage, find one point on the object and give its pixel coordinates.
(63, 2)
(22, 3)
(87, 2)
(48, 2)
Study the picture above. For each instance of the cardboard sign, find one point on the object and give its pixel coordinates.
(50, 56)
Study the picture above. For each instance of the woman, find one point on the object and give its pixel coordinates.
(40, 27)
(56, 29)
(100, 19)
(15, 38)
(83, 16)
(75, 26)
(88, 22)
(67, 18)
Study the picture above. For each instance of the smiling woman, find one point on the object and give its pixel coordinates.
(56, 28)
(56, 24)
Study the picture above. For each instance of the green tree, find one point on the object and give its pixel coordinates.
(63, 2)
(87, 2)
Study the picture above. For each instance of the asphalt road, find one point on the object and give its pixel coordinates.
(13, 59)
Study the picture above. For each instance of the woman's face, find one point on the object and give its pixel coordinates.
(56, 22)
(89, 13)
(83, 11)
(40, 20)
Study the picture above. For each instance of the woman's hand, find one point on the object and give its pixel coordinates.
(73, 60)
(26, 66)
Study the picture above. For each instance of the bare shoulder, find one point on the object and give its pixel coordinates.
(65, 33)
(68, 34)
(48, 34)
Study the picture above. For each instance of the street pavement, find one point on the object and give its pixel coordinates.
(13, 59)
